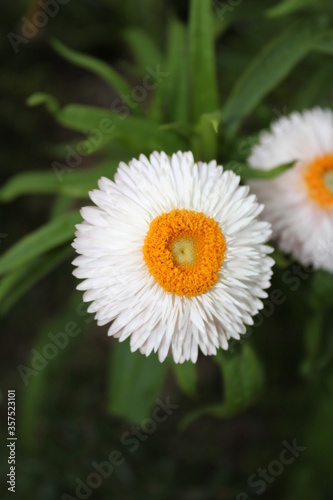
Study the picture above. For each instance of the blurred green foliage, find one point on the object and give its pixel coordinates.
(103, 81)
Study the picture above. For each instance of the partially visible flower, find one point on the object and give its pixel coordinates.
(299, 203)
(174, 255)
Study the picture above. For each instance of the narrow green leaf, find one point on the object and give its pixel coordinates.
(61, 205)
(99, 68)
(45, 238)
(29, 183)
(186, 377)
(62, 180)
(140, 134)
(177, 84)
(288, 7)
(267, 70)
(135, 381)
(246, 172)
(144, 48)
(202, 58)
(50, 102)
(156, 108)
(15, 284)
(204, 141)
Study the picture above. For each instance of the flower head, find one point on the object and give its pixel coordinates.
(174, 255)
(299, 203)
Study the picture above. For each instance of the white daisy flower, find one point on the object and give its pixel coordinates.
(173, 255)
(299, 203)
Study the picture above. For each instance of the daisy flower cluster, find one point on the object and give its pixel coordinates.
(174, 253)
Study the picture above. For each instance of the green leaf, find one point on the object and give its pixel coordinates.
(177, 84)
(135, 381)
(99, 68)
(288, 7)
(202, 58)
(144, 48)
(243, 379)
(140, 134)
(50, 102)
(186, 377)
(29, 183)
(16, 283)
(63, 180)
(61, 205)
(246, 172)
(45, 238)
(204, 141)
(267, 70)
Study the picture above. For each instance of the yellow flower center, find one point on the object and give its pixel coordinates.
(319, 180)
(183, 251)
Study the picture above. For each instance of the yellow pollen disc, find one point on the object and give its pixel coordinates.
(183, 251)
(319, 180)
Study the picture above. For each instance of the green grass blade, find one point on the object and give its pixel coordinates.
(202, 58)
(288, 7)
(139, 134)
(268, 68)
(45, 238)
(246, 172)
(144, 48)
(15, 284)
(186, 376)
(62, 180)
(99, 68)
(177, 84)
